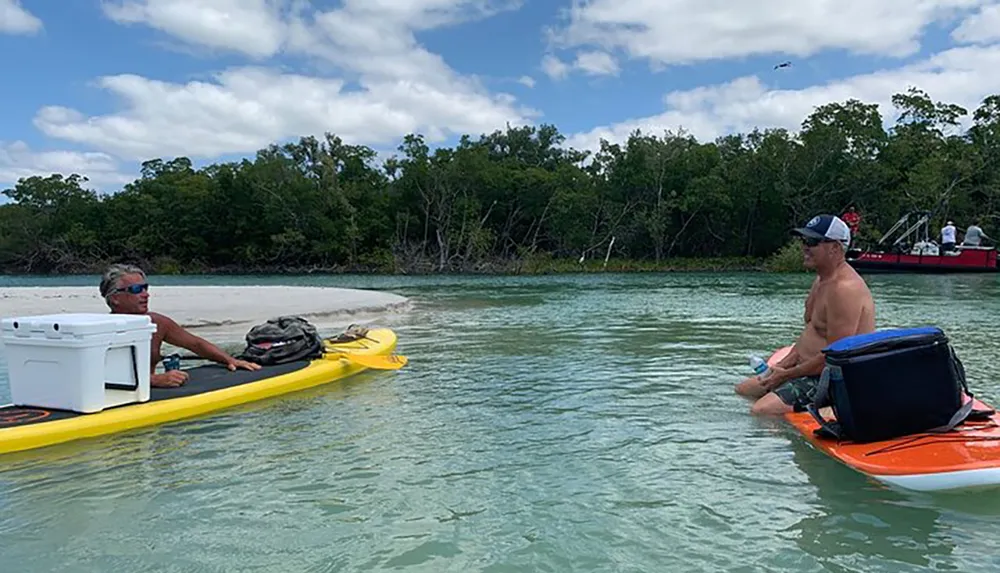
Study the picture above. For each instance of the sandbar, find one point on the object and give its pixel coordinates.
(223, 314)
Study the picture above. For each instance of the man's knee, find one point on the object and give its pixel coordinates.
(770, 405)
(750, 388)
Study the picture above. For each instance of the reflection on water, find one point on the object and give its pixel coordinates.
(855, 523)
(881, 531)
(571, 423)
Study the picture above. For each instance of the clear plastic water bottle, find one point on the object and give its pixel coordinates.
(759, 367)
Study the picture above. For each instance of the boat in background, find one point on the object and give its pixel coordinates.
(914, 252)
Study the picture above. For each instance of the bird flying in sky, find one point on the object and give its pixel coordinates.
(783, 65)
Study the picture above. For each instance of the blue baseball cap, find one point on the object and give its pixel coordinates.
(826, 228)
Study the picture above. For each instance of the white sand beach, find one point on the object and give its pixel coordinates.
(223, 314)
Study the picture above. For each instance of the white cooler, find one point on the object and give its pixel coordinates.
(78, 362)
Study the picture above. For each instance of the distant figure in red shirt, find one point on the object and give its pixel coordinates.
(853, 219)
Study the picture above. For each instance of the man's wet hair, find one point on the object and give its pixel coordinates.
(114, 273)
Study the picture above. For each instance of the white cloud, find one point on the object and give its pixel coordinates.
(389, 85)
(14, 19)
(261, 28)
(17, 160)
(687, 31)
(253, 27)
(554, 67)
(248, 108)
(594, 63)
(379, 83)
(980, 28)
(960, 75)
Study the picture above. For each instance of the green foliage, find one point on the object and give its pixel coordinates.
(518, 201)
(787, 259)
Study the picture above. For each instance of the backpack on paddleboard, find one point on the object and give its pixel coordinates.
(282, 340)
(892, 383)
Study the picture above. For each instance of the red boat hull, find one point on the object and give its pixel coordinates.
(967, 261)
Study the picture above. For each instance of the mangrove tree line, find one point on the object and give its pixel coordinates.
(516, 196)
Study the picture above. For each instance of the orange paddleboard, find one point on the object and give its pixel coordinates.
(967, 457)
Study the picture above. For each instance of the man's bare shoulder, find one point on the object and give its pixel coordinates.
(851, 277)
(850, 285)
(162, 320)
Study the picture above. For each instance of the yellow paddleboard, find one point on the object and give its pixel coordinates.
(208, 389)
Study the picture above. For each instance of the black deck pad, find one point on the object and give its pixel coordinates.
(11, 416)
(201, 379)
(216, 377)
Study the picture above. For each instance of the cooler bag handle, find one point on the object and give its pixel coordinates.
(956, 419)
(826, 428)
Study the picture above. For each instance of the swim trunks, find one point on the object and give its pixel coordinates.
(798, 392)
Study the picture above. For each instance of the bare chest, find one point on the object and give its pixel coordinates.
(816, 309)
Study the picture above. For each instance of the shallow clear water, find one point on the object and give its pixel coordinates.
(562, 423)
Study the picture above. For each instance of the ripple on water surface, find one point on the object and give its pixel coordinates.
(543, 424)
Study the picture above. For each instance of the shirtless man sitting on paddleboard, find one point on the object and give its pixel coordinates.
(125, 290)
(839, 305)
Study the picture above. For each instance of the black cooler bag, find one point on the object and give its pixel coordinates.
(891, 383)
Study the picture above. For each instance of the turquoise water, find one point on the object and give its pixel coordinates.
(561, 423)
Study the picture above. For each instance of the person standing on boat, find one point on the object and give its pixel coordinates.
(853, 220)
(948, 233)
(126, 291)
(839, 305)
(974, 235)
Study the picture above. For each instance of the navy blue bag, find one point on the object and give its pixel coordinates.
(891, 383)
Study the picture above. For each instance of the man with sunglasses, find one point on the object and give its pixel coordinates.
(839, 304)
(126, 291)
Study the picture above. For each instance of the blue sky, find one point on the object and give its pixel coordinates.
(99, 86)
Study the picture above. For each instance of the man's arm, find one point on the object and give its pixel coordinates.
(843, 312)
(793, 357)
(812, 367)
(790, 359)
(176, 334)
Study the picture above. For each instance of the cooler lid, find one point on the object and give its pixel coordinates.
(881, 340)
(73, 324)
